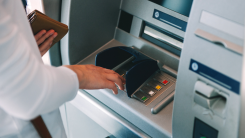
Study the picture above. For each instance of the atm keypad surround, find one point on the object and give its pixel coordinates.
(149, 87)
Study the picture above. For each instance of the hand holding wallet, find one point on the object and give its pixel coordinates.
(40, 21)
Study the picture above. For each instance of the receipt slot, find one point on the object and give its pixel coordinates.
(144, 79)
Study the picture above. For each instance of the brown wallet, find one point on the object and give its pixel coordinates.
(40, 21)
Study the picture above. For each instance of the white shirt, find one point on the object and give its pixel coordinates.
(28, 88)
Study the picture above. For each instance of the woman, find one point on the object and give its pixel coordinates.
(29, 88)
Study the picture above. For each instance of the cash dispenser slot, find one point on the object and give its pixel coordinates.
(144, 80)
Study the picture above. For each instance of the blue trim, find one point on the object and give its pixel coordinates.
(170, 20)
(215, 76)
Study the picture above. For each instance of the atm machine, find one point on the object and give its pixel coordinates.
(182, 61)
(207, 98)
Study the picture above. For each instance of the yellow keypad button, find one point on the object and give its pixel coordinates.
(158, 87)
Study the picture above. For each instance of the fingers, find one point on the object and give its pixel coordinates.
(117, 79)
(113, 72)
(45, 36)
(93, 77)
(112, 86)
(45, 46)
(39, 35)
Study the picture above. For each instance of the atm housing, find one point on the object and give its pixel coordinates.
(97, 25)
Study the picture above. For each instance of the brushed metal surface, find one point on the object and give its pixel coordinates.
(217, 40)
(82, 126)
(136, 26)
(157, 108)
(218, 58)
(105, 117)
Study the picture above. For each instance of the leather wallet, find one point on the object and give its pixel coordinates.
(40, 21)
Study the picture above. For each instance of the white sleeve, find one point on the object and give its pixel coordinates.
(28, 87)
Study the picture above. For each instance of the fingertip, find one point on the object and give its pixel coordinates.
(51, 32)
(55, 34)
(121, 87)
(124, 81)
(44, 31)
(115, 92)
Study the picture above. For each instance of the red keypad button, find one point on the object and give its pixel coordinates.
(165, 82)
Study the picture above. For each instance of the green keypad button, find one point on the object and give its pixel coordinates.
(144, 98)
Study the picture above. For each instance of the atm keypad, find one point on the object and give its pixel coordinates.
(155, 86)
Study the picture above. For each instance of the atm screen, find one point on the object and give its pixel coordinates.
(181, 6)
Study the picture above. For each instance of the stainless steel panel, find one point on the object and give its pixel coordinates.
(157, 108)
(82, 126)
(145, 10)
(216, 57)
(136, 26)
(105, 117)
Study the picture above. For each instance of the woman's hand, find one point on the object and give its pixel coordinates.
(93, 77)
(44, 40)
